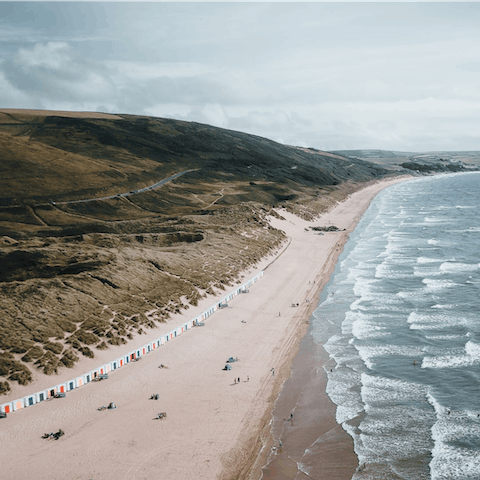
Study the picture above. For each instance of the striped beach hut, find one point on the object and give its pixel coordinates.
(62, 388)
(41, 396)
(7, 407)
(29, 401)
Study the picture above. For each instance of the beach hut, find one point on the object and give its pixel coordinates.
(7, 407)
(61, 388)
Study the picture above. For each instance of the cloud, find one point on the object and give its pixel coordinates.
(52, 56)
(53, 75)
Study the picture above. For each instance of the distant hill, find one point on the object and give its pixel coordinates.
(434, 160)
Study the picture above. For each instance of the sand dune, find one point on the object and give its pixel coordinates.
(214, 425)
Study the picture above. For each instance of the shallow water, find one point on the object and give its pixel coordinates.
(400, 318)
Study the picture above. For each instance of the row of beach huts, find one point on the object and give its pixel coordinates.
(101, 372)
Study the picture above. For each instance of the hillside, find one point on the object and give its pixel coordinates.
(109, 223)
(422, 162)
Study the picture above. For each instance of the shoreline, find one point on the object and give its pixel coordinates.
(308, 377)
(215, 424)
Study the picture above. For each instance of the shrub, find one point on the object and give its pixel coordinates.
(49, 362)
(22, 346)
(87, 352)
(4, 388)
(69, 363)
(116, 340)
(34, 353)
(88, 338)
(66, 325)
(71, 355)
(74, 342)
(54, 347)
(22, 375)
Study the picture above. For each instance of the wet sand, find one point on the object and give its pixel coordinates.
(304, 419)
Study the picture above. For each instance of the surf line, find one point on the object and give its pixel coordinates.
(101, 373)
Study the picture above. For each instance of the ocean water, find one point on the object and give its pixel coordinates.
(400, 320)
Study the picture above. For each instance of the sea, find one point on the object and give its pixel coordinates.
(400, 319)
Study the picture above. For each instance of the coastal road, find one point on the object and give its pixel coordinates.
(127, 194)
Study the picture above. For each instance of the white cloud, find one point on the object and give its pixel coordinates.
(53, 75)
(53, 55)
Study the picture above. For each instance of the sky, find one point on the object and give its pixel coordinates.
(332, 76)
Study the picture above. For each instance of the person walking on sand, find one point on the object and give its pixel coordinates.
(248, 378)
(234, 381)
(238, 379)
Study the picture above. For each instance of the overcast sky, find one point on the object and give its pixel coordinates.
(401, 76)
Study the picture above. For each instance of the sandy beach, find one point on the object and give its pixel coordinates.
(216, 426)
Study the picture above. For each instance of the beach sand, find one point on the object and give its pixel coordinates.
(216, 427)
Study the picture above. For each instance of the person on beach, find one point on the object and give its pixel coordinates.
(238, 379)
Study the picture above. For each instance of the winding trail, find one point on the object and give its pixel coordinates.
(127, 194)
